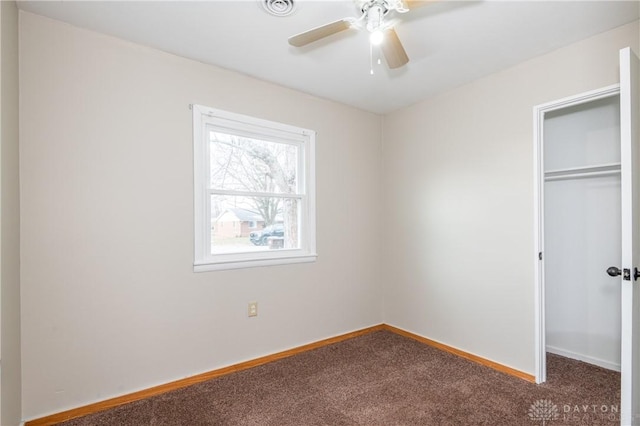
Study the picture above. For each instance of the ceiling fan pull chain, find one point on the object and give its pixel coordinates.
(371, 57)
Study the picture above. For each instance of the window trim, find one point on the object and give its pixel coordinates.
(264, 130)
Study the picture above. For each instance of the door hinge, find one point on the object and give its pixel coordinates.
(539, 255)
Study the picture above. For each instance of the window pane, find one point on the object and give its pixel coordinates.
(245, 164)
(250, 224)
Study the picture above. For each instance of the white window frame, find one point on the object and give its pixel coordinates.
(234, 123)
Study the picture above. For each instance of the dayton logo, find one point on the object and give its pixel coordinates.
(543, 410)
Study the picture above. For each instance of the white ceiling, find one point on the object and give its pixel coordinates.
(449, 43)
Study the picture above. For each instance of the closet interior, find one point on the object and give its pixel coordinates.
(582, 228)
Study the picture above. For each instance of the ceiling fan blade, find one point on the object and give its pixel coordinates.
(413, 4)
(392, 49)
(318, 33)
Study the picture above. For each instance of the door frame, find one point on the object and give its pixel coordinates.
(539, 112)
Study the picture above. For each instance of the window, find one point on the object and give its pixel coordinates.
(254, 191)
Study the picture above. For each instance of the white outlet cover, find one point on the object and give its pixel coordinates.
(253, 309)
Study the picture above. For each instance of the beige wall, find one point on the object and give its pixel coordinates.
(10, 381)
(110, 304)
(459, 186)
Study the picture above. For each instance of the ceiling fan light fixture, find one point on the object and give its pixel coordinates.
(376, 37)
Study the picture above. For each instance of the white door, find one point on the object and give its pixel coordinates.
(630, 351)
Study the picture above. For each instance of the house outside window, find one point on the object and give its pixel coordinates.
(254, 198)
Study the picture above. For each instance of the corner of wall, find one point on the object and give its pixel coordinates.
(10, 343)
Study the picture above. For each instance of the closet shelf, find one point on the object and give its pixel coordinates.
(582, 172)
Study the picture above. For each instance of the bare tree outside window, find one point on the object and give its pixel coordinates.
(259, 176)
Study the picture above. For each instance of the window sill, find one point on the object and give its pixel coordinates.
(253, 263)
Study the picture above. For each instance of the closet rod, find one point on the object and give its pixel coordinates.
(582, 175)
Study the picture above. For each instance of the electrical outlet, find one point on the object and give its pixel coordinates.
(253, 309)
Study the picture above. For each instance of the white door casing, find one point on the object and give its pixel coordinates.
(539, 117)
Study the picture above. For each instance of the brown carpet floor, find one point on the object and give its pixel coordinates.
(381, 379)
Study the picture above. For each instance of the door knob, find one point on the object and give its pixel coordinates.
(613, 271)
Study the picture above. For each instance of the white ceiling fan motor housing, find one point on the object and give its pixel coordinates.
(386, 5)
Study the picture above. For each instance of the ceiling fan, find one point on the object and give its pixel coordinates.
(376, 20)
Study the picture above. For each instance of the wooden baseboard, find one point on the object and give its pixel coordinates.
(157, 390)
(466, 355)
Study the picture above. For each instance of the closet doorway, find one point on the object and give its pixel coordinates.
(579, 228)
(582, 230)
